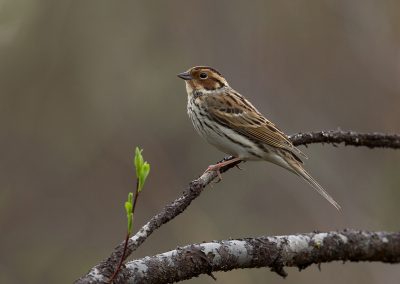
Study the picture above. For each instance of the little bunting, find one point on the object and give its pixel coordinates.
(228, 121)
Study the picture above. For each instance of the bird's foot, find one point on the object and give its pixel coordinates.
(216, 168)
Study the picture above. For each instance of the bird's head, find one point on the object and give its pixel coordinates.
(204, 79)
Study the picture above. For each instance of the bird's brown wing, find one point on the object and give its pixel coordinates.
(234, 111)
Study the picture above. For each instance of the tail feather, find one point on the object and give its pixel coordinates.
(298, 169)
(310, 180)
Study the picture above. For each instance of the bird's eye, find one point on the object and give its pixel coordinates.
(203, 75)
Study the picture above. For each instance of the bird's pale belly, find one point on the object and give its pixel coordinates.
(245, 149)
(229, 142)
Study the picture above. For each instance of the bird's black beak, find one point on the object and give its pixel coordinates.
(185, 76)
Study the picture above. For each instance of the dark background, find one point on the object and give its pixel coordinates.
(84, 82)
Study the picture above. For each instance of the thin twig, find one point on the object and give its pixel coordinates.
(124, 255)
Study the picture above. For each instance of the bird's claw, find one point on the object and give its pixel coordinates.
(237, 166)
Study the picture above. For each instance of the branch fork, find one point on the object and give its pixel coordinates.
(299, 250)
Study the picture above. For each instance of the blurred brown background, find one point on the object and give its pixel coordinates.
(84, 82)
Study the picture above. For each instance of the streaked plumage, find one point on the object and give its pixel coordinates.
(233, 125)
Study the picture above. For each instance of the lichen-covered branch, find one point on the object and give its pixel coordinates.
(101, 272)
(276, 253)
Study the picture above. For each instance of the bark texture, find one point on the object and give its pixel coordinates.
(370, 140)
(299, 250)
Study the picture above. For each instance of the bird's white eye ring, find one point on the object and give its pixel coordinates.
(203, 75)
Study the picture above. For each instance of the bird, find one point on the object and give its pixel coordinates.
(228, 121)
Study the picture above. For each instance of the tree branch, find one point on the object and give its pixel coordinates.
(102, 272)
(370, 140)
(300, 251)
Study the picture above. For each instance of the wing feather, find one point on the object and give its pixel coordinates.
(234, 111)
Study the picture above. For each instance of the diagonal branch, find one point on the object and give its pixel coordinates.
(299, 250)
(101, 272)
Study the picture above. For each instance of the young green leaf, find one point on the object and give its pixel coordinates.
(130, 222)
(128, 209)
(143, 175)
(138, 161)
(142, 168)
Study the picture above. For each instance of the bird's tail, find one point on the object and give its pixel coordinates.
(298, 169)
